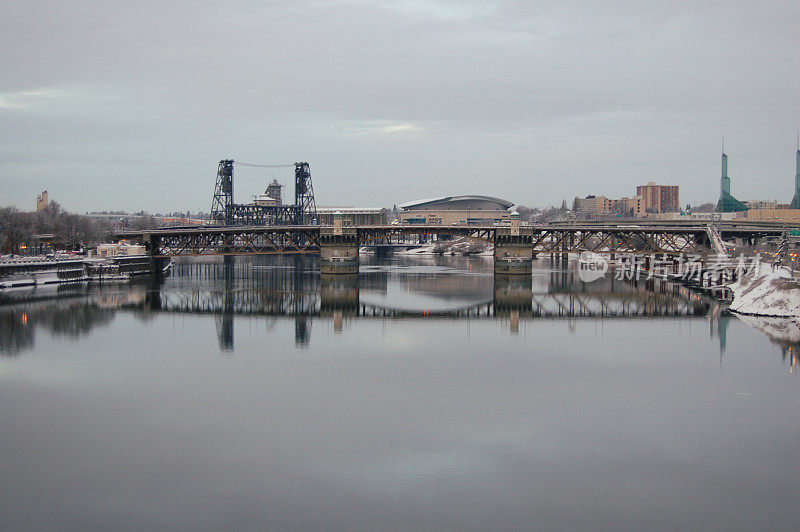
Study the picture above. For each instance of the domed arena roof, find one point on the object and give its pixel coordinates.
(458, 203)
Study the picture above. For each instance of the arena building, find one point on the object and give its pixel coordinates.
(455, 210)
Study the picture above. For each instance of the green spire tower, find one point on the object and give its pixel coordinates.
(795, 204)
(727, 203)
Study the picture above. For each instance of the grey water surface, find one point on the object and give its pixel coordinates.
(422, 394)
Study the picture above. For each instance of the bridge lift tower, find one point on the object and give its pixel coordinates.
(223, 194)
(304, 195)
(225, 212)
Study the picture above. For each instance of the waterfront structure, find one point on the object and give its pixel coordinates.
(107, 251)
(659, 198)
(274, 191)
(352, 215)
(456, 210)
(42, 201)
(727, 203)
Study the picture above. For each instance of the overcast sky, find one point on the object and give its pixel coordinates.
(130, 105)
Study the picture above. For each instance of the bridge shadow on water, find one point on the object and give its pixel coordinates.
(399, 288)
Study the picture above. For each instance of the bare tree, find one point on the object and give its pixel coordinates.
(16, 228)
(143, 222)
(72, 230)
(525, 213)
(705, 207)
(623, 209)
(47, 219)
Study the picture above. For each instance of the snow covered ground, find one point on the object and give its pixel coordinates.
(457, 246)
(423, 250)
(767, 291)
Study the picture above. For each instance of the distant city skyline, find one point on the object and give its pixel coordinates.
(130, 107)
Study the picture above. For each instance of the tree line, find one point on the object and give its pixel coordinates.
(53, 227)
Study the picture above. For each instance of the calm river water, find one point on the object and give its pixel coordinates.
(423, 394)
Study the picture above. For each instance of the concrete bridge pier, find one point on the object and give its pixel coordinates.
(338, 248)
(156, 264)
(513, 249)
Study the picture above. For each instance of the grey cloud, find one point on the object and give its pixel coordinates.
(530, 101)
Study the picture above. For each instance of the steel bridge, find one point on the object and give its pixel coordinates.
(551, 238)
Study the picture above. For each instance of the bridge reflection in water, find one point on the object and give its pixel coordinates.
(413, 289)
(435, 288)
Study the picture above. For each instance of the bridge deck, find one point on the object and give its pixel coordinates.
(563, 237)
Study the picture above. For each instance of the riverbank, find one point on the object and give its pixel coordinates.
(767, 291)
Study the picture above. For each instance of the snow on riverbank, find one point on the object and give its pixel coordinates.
(457, 246)
(767, 291)
(427, 249)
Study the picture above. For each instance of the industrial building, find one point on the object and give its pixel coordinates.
(271, 197)
(456, 210)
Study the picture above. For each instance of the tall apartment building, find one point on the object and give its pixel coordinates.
(42, 201)
(659, 198)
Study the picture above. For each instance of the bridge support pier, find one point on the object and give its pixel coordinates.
(338, 248)
(513, 249)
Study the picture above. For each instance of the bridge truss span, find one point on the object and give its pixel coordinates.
(619, 239)
(552, 238)
(233, 241)
(368, 234)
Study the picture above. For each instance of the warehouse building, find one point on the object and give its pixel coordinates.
(353, 215)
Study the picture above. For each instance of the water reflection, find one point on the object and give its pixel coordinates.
(553, 402)
(781, 332)
(339, 298)
(418, 288)
(71, 311)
